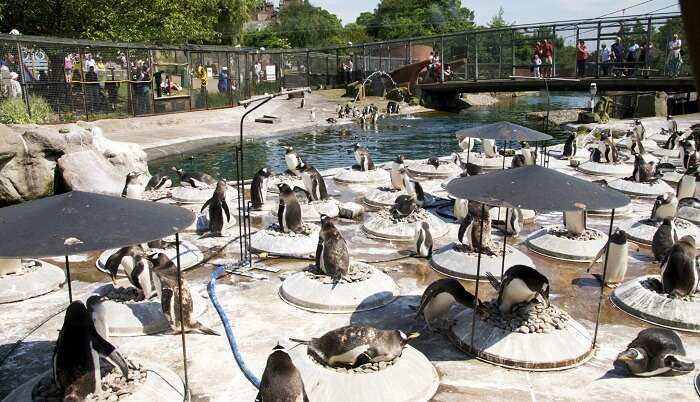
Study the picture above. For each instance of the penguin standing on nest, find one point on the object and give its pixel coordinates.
(423, 240)
(281, 380)
(258, 188)
(413, 188)
(468, 168)
(679, 273)
(520, 284)
(665, 206)
(217, 207)
(289, 211)
(437, 299)
(137, 267)
(397, 165)
(313, 181)
(363, 158)
(644, 172)
(664, 238)
(688, 153)
(332, 256)
(404, 205)
(569, 147)
(292, 159)
(654, 351)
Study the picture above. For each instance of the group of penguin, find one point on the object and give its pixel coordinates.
(369, 114)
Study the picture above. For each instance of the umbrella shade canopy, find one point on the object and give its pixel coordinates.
(79, 222)
(538, 188)
(504, 131)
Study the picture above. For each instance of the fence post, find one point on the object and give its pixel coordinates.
(512, 52)
(500, 53)
(553, 73)
(82, 83)
(442, 59)
(338, 79)
(476, 57)
(647, 51)
(597, 52)
(308, 68)
(408, 52)
(23, 82)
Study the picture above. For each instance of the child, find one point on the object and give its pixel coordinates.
(536, 63)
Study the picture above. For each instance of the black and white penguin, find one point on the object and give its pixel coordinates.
(137, 267)
(289, 211)
(303, 196)
(439, 296)
(489, 148)
(395, 173)
(332, 256)
(313, 181)
(529, 154)
(404, 205)
(301, 104)
(195, 179)
(464, 234)
(671, 124)
(596, 155)
(423, 240)
(281, 380)
(331, 120)
(292, 160)
(664, 238)
(639, 130)
(517, 161)
(460, 209)
(413, 188)
(673, 140)
(665, 206)
(636, 146)
(132, 186)
(217, 207)
(468, 168)
(76, 356)
(688, 153)
(569, 147)
(520, 284)
(679, 275)
(618, 252)
(434, 162)
(644, 172)
(126, 257)
(687, 185)
(653, 352)
(158, 181)
(258, 188)
(353, 345)
(512, 224)
(364, 160)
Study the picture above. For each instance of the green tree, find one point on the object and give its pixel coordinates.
(497, 21)
(232, 14)
(355, 33)
(305, 25)
(267, 38)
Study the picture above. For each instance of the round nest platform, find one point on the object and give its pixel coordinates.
(201, 223)
(122, 315)
(606, 169)
(411, 378)
(667, 153)
(499, 215)
(312, 211)
(366, 288)
(383, 226)
(36, 278)
(190, 256)
(641, 190)
(558, 349)
(642, 231)
(627, 142)
(487, 163)
(288, 179)
(192, 195)
(690, 214)
(160, 385)
(452, 260)
(555, 242)
(672, 178)
(619, 212)
(351, 176)
(444, 169)
(384, 197)
(275, 242)
(642, 298)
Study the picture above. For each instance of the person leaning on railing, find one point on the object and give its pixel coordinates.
(674, 59)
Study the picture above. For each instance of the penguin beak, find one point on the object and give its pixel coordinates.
(545, 296)
(412, 335)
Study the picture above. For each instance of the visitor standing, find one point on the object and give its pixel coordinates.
(674, 59)
(351, 68)
(538, 49)
(90, 62)
(616, 53)
(645, 59)
(548, 53)
(536, 63)
(68, 67)
(92, 89)
(632, 57)
(14, 89)
(223, 80)
(258, 70)
(605, 59)
(581, 57)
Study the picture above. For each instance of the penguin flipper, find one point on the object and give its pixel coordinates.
(460, 233)
(597, 257)
(495, 283)
(206, 204)
(299, 341)
(109, 352)
(319, 250)
(224, 205)
(314, 187)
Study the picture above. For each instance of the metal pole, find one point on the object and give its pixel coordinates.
(70, 288)
(553, 71)
(597, 60)
(476, 57)
(82, 83)
(512, 51)
(505, 240)
(240, 189)
(576, 72)
(500, 52)
(308, 72)
(23, 83)
(602, 283)
(478, 274)
(182, 321)
(442, 59)
(647, 51)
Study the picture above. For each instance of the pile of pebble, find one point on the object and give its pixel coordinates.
(123, 295)
(153, 195)
(418, 215)
(114, 386)
(588, 234)
(26, 267)
(496, 250)
(358, 273)
(306, 229)
(656, 286)
(362, 369)
(526, 318)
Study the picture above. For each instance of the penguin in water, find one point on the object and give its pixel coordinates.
(195, 179)
(158, 181)
(397, 165)
(313, 181)
(132, 187)
(618, 252)
(679, 275)
(569, 147)
(653, 352)
(664, 238)
(292, 159)
(520, 284)
(289, 211)
(423, 240)
(437, 299)
(76, 356)
(364, 160)
(665, 206)
(137, 267)
(258, 188)
(464, 234)
(353, 345)
(217, 207)
(312, 115)
(332, 256)
(281, 380)
(468, 168)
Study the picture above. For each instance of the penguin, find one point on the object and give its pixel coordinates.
(528, 154)
(132, 188)
(217, 204)
(352, 346)
(158, 181)
(464, 234)
(517, 161)
(609, 151)
(671, 124)
(480, 228)
(303, 196)
(195, 179)
(687, 185)
(332, 256)
(664, 238)
(289, 211)
(331, 120)
(489, 148)
(618, 251)
(413, 188)
(292, 159)
(467, 143)
(653, 352)
(512, 224)
(281, 380)
(636, 146)
(569, 147)
(595, 155)
(76, 355)
(395, 173)
(404, 205)
(375, 118)
(665, 206)
(639, 130)
(364, 160)
(439, 296)
(468, 168)
(313, 181)
(423, 240)
(434, 162)
(312, 115)
(575, 221)
(520, 284)
(137, 267)
(673, 141)
(258, 188)
(688, 153)
(303, 101)
(125, 257)
(679, 275)
(460, 209)
(644, 172)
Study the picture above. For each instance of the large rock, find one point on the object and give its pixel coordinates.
(90, 171)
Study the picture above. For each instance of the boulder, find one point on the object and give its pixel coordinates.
(588, 117)
(89, 171)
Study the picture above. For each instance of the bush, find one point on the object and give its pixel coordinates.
(14, 111)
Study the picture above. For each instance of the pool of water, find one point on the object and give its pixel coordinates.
(420, 136)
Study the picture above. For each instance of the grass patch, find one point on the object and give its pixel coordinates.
(14, 111)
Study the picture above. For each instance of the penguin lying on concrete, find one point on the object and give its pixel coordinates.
(353, 345)
(332, 256)
(679, 273)
(281, 380)
(217, 207)
(653, 352)
(664, 238)
(439, 296)
(618, 252)
(520, 284)
(158, 181)
(76, 356)
(195, 179)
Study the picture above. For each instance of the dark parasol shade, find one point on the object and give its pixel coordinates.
(538, 188)
(504, 131)
(79, 222)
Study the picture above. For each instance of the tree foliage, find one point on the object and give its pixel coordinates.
(267, 38)
(305, 25)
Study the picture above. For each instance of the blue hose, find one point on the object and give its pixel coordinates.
(211, 289)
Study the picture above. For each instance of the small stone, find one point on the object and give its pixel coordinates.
(524, 329)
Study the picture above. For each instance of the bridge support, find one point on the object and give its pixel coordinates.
(444, 101)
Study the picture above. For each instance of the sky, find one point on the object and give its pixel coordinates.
(518, 11)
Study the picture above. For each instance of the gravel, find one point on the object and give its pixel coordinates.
(358, 273)
(656, 286)
(362, 369)
(153, 195)
(526, 318)
(114, 386)
(561, 231)
(306, 230)
(419, 214)
(123, 295)
(27, 266)
(496, 250)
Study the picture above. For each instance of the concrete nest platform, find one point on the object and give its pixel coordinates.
(690, 214)
(122, 315)
(642, 231)
(159, 385)
(312, 211)
(192, 195)
(290, 180)
(452, 260)
(351, 176)
(410, 378)
(557, 349)
(383, 226)
(444, 169)
(642, 298)
(667, 153)
(487, 163)
(385, 197)
(619, 212)
(641, 190)
(499, 215)
(606, 169)
(275, 242)
(556, 242)
(672, 178)
(366, 288)
(34, 278)
(190, 256)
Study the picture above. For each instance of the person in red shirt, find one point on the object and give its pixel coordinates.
(547, 53)
(581, 57)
